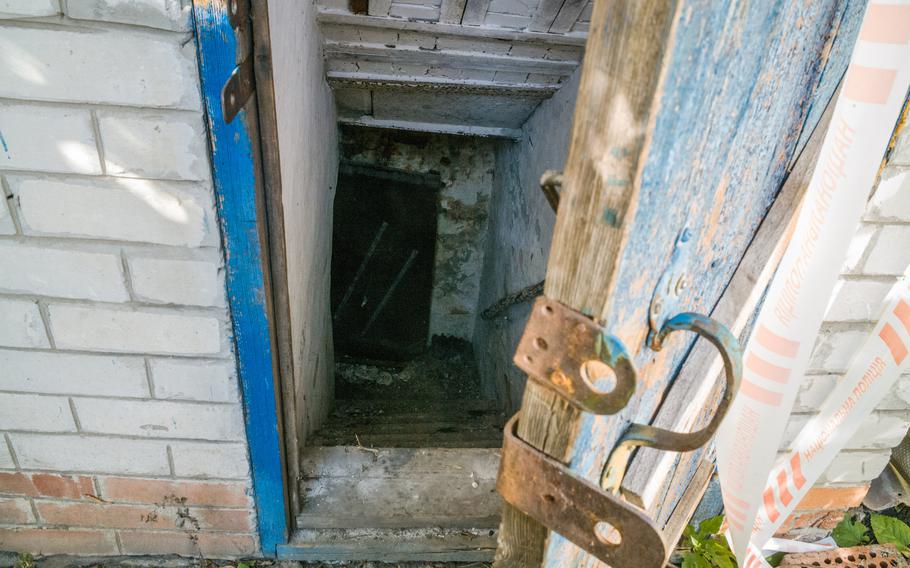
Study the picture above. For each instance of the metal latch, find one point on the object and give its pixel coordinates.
(238, 90)
(544, 489)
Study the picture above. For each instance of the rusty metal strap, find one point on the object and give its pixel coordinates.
(568, 352)
(546, 490)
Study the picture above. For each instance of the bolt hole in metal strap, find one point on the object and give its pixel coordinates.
(645, 435)
(568, 352)
(614, 531)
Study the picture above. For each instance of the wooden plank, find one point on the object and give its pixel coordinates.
(451, 11)
(379, 8)
(695, 490)
(271, 169)
(352, 487)
(236, 166)
(457, 129)
(391, 545)
(690, 402)
(357, 52)
(545, 14)
(567, 16)
(693, 160)
(620, 68)
(474, 12)
(374, 81)
(329, 16)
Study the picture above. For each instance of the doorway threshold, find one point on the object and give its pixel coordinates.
(391, 545)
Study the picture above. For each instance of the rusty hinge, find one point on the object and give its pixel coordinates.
(238, 90)
(544, 489)
(571, 354)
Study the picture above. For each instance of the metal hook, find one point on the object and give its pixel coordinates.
(645, 435)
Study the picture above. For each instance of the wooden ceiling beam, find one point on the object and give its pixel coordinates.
(329, 16)
(348, 51)
(375, 81)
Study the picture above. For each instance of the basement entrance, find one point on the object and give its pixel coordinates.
(411, 441)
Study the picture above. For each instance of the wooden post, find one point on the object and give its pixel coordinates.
(620, 76)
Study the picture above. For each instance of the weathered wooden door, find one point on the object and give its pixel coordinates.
(690, 118)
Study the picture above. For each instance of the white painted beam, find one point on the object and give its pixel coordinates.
(330, 16)
(461, 130)
(357, 80)
(349, 51)
(451, 11)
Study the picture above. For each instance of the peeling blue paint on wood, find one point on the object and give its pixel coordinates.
(234, 169)
(743, 83)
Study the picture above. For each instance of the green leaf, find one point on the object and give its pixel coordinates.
(710, 526)
(776, 558)
(889, 530)
(692, 560)
(849, 533)
(243, 565)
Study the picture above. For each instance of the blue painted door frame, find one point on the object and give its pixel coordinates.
(234, 148)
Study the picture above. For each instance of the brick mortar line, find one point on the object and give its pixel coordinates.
(862, 277)
(149, 380)
(127, 278)
(107, 435)
(137, 477)
(209, 311)
(99, 145)
(860, 265)
(84, 244)
(170, 461)
(885, 222)
(888, 411)
(122, 398)
(76, 420)
(63, 22)
(12, 451)
(143, 251)
(93, 106)
(836, 326)
(106, 503)
(48, 526)
(104, 177)
(38, 518)
(12, 209)
(222, 357)
(46, 321)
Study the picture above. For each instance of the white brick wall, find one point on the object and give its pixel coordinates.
(48, 138)
(164, 14)
(21, 325)
(115, 338)
(148, 211)
(60, 65)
